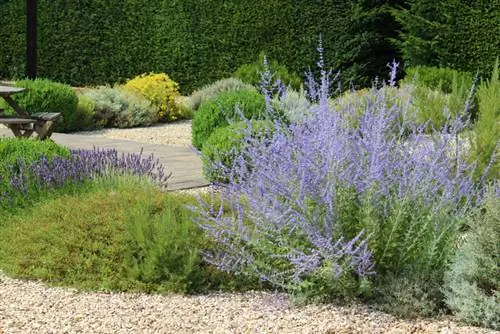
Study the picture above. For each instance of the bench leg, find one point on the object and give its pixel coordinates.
(19, 131)
(44, 129)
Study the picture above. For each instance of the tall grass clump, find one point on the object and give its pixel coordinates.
(487, 129)
(327, 208)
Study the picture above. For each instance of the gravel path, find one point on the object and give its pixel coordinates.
(32, 307)
(177, 133)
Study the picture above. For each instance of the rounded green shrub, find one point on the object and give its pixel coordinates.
(251, 73)
(210, 91)
(116, 107)
(225, 144)
(472, 284)
(42, 95)
(29, 150)
(16, 151)
(215, 112)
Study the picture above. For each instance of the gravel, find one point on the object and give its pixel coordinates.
(33, 307)
(177, 133)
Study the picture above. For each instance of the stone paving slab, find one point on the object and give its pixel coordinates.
(184, 164)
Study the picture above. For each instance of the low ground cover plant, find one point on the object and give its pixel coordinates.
(332, 208)
(120, 234)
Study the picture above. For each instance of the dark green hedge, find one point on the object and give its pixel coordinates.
(196, 42)
(460, 34)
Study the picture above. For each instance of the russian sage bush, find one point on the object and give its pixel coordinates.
(327, 204)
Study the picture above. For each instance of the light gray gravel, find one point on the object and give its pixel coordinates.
(177, 133)
(32, 307)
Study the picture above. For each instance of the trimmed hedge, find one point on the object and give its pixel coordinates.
(461, 34)
(196, 42)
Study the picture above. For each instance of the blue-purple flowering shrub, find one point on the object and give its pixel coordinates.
(23, 181)
(329, 203)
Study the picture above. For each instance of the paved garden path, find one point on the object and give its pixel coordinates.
(184, 164)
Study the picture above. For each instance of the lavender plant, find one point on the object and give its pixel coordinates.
(43, 175)
(326, 204)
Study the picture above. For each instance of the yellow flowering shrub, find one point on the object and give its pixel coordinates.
(160, 90)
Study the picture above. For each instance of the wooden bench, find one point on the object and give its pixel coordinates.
(41, 123)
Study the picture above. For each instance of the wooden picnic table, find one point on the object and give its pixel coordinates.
(23, 124)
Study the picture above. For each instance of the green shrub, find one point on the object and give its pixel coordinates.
(215, 112)
(116, 107)
(225, 144)
(472, 284)
(13, 149)
(438, 78)
(435, 88)
(85, 113)
(212, 90)
(251, 73)
(160, 90)
(42, 95)
(487, 130)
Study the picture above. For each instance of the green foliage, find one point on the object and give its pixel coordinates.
(160, 90)
(13, 149)
(85, 113)
(212, 90)
(444, 79)
(434, 89)
(42, 95)
(120, 234)
(163, 245)
(460, 34)
(116, 107)
(487, 130)
(472, 284)
(226, 143)
(251, 73)
(215, 112)
(97, 42)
